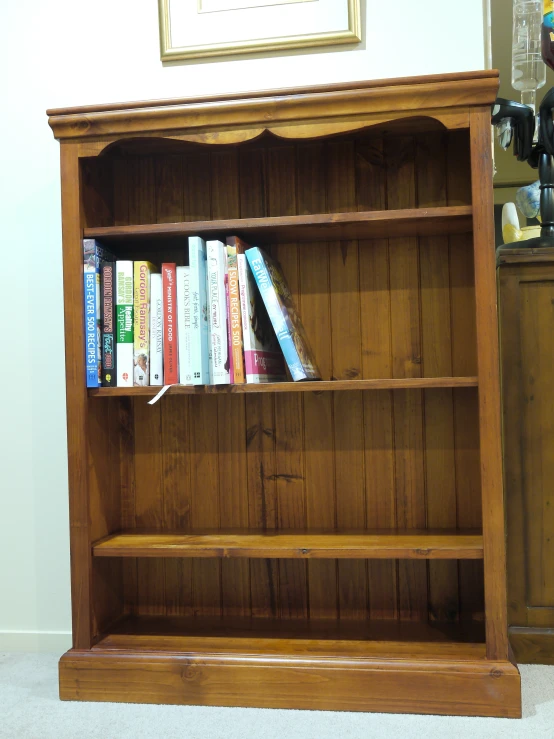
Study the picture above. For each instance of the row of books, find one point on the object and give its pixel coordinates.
(226, 317)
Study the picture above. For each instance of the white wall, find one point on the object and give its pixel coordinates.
(70, 53)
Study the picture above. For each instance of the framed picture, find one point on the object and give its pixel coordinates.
(192, 29)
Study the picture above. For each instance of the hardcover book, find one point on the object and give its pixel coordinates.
(219, 360)
(171, 356)
(156, 330)
(124, 323)
(107, 285)
(93, 255)
(184, 325)
(200, 330)
(263, 359)
(282, 313)
(235, 319)
(141, 325)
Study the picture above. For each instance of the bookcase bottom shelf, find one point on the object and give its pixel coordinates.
(325, 665)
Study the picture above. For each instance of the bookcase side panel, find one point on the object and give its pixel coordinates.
(76, 398)
(489, 386)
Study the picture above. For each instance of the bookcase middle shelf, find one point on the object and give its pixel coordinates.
(405, 383)
(377, 224)
(381, 544)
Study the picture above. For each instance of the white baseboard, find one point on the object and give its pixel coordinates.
(35, 641)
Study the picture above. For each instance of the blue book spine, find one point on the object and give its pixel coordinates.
(278, 319)
(93, 255)
(199, 312)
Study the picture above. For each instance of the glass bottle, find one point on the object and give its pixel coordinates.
(528, 70)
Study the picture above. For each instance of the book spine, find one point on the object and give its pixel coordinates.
(228, 317)
(244, 300)
(184, 325)
(142, 272)
(271, 301)
(109, 376)
(156, 330)
(219, 365)
(91, 274)
(124, 323)
(171, 355)
(199, 311)
(235, 318)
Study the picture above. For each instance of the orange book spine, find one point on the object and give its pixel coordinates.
(235, 316)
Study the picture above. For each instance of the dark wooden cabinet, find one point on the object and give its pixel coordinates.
(526, 299)
(333, 545)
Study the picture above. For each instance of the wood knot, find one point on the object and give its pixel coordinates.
(496, 673)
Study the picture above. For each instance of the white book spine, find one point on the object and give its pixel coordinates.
(217, 308)
(124, 323)
(184, 325)
(199, 311)
(156, 330)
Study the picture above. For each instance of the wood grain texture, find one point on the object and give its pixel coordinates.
(374, 231)
(474, 688)
(77, 417)
(489, 386)
(382, 545)
(317, 105)
(532, 646)
(298, 228)
(316, 388)
(526, 292)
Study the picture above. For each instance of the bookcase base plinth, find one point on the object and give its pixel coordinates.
(445, 687)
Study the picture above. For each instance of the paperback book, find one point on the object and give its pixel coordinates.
(107, 285)
(156, 330)
(124, 323)
(282, 313)
(171, 356)
(184, 325)
(235, 320)
(199, 338)
(141, 323)
(219, 360)
(263, 359)
(93, 255)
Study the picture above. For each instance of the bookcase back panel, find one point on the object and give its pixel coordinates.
(353, 460)
(329, 461)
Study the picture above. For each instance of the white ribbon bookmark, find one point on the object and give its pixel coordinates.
(159, 395)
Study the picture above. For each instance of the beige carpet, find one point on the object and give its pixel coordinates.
(30, 709)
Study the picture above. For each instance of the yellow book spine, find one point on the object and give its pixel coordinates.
(141, 310)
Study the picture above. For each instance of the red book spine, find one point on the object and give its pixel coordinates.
(171, 357)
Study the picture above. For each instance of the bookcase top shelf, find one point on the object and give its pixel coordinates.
(319, 227)
(291, 112)
(406, 383)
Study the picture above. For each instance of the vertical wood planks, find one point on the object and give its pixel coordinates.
(233, 489)
(407, 362)
(175, 426)
(149, 502)
(347, 364)
(437, 362)
(375, 305)
(489, 385)
(289, 454)
(202, 417)
(464, 362)
(319, 467)
(259, 415)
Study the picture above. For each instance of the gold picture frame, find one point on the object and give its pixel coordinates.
(171, 51)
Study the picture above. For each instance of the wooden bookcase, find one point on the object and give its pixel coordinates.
(334, 545)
